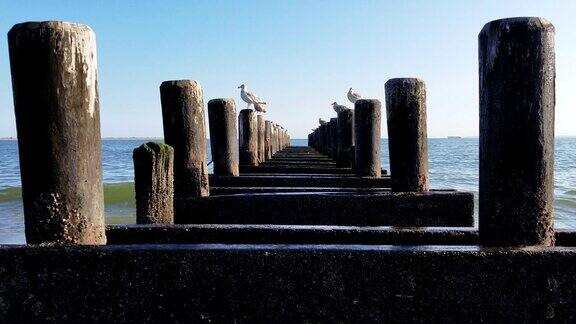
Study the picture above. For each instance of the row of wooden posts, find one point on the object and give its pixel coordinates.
(54, 77)
(353, 138)
(166, 173)
(517, 101)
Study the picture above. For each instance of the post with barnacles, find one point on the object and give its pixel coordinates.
(54, 81)
(517, 99)
(268, 139)
(261, 138)
(344, 138)
(367, 133)
(248, 137)
(223, 136)
(154, 183)
(407, 138)
(184, 130)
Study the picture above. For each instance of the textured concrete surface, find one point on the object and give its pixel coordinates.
(383, 209)
(302, 234)
(271, 283)
(273, 180)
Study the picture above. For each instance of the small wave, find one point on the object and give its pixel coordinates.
(570, 192)
(121, 193)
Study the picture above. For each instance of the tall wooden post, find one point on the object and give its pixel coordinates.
(517, 98)
(55, 87)
(248, 137)
(367, 132)
(184, 130)
(407, 137)
(223, 136)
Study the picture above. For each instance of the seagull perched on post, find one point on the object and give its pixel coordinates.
(321, 121)
(252, 99)
(338, 108)
(353, 96)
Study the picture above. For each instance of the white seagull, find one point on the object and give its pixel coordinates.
(321, 121)
(353, 96)
(252, 99)
(338, 108)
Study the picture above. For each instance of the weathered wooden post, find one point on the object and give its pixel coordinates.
(223, 140)
(367, 133)
(248, 129)
(268, 139)
(407, 138)
(154, 183)
(261, 138)
(184, 130)
(517, 99)
(334, 138)
(55, 87)
(325, 138)
(345, 121)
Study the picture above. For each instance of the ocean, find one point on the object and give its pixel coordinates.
(453, 164)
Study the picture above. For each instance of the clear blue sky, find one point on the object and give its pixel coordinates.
(298, 55)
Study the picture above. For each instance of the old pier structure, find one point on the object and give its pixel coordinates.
(281, 232)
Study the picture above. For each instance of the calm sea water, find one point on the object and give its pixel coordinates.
(453, 163)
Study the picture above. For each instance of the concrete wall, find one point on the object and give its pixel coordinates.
(306, 283)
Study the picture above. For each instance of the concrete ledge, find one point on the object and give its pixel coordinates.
(290, 169)
(341, 181)
(294, 169)
(301, 234)
(274, 283)
(287, 234)
(381, 209)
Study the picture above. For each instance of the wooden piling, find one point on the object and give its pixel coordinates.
(154, 183)
(55, 87)
(248, 138)
(223, 136)
(344, 138)
(367, 137)
(261, 125)
(268, 139)
(407, 138)
(184, 130)
(333, 138)
(517, 99)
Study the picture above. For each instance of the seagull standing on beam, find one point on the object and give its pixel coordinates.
(252, 99)
(353, 96)
(338, 108)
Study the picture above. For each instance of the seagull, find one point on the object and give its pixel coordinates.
(252, 99)
(353, 96)
(321, 121)
(338, 108)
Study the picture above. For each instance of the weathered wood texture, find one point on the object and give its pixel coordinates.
(184, 130)
(55, 86)
(517, 98)
(367, 116)
(223, 136)
(154, 183)
(248, 137)
(407, 138)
